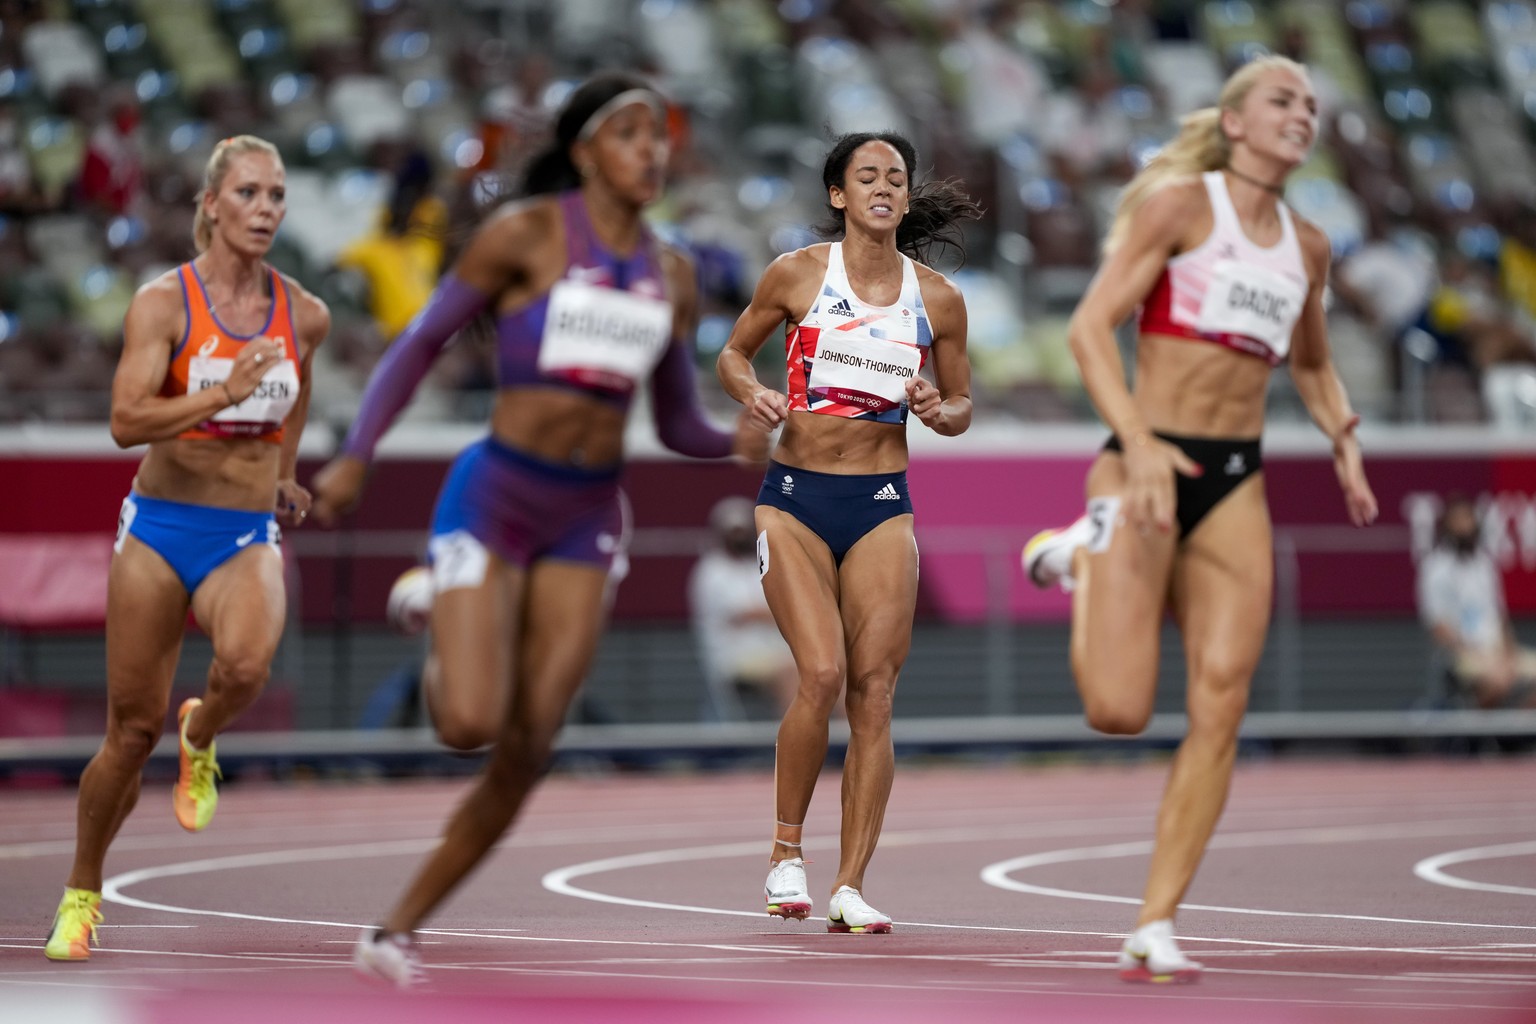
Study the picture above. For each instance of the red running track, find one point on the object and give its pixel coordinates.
(1338, 891)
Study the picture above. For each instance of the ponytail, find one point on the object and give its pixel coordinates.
(1200, 145)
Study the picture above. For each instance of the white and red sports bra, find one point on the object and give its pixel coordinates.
(1230, 291)
(849, 358)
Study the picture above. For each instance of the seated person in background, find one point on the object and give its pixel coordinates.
(740, 647)
(1470, 319)
(403, 257)
(1461, 600)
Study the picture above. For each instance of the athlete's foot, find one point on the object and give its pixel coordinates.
(409, 607)
(847, 912)
(1047, 558)
(785, 890)
(196, 793)
(1151, 954)
(391, 959)
(74, 926)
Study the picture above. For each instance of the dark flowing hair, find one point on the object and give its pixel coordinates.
(552, 170)
(931, 224)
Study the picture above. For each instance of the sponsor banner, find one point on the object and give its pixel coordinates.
(973, 516)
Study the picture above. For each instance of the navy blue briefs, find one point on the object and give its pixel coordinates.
(838, 508)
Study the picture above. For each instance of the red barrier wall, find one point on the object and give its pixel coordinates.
(970, 509)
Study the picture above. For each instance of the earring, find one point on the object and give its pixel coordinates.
(587, 170)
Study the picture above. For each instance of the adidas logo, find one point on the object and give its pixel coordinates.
(841, 308)
(887, 493)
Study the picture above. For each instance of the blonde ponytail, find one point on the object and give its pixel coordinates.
(1199, 146)
(213, 177)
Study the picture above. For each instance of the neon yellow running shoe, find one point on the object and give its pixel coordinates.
(195, 795)
(74, 926)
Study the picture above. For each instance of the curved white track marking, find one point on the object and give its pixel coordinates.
(559, 880)
(112, 888)
(999, 874)
(1429, 868)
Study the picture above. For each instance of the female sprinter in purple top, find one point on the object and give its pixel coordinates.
(835, 550)
(529, 525)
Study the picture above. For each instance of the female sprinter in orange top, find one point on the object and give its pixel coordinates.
(1230, 284)
(214, 377)
(835, 549)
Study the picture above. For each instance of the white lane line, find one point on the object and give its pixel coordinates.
(1000, 873)
(112, 888)
(1430, 868)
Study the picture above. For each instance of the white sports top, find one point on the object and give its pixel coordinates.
(1229, 290)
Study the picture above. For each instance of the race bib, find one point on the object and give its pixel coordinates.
(603, 337)
(858, 370)
(1251, 302)
(125, 518)
(263, 410)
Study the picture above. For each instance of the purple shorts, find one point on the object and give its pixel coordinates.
(524, 509)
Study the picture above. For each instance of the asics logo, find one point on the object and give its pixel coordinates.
(887, 493)
(841, 308)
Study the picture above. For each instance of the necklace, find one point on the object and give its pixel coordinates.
(1278, 190)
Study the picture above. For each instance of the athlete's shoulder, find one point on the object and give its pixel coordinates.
(1315, 247)
(161, 294)
(809, 261)
(311, 316)
(1179, 197)
(936, 285)
(674, 258)
(522, 219)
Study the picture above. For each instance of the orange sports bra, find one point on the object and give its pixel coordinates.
(207, 353)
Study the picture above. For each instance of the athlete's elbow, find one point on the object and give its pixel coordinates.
(125, 432)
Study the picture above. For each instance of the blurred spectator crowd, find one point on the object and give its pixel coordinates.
(402, 121)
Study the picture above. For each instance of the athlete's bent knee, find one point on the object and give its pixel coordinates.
(132, 741)
(821, 685)
(241, 672)
(1116, 720)
(461, 732)
(870, 701)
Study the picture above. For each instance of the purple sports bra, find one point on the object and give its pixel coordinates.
(601, 329)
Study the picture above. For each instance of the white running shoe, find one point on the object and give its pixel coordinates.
(409, 607)
(1152, 955)
(388, 958)
(785, 890)
(1047, 558)
(847, 912)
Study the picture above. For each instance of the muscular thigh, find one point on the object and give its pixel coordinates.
(242, 604)
(1222, 586)
(1123, 591)
(146, 619)
(801, 584)
(475, 625)
(564, 609)
(878, 583)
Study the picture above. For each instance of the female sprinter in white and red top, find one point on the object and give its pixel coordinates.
(836, 550)
(1230, 285)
